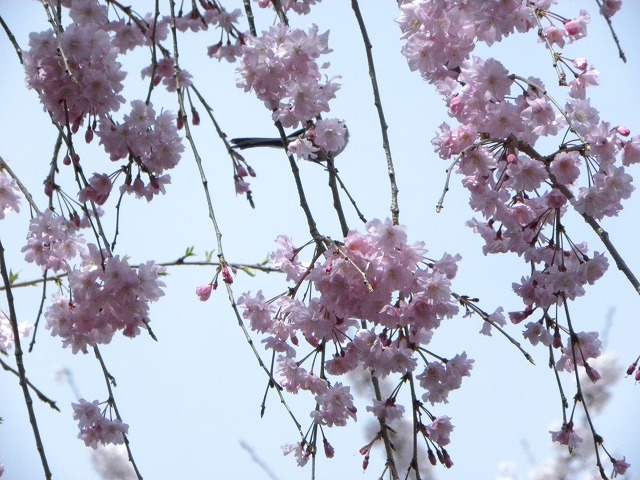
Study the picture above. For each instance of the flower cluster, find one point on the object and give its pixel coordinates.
(519, 192)
(522, 194)
(106, 296)
(76, 73)
(326, 137)
(301, 7)
(379, 302)
(280, 68)
(95, 427)
(52, 241)
(150, 141)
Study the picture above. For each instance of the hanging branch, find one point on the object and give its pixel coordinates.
(22, 374)
(602, 234)
(395, 210)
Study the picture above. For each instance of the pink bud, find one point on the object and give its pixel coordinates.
(226, 276)
(66, 160)
(48, 188)
(432, 458)
(204, 292)
(632, 367)
(447, 459)
(580, 63)
(365, 462)
(624, 131)
(241, 171)
(195, 117)
(328, 449)
(592, 373)
(252, 172)
(75, 219)
(88, 136)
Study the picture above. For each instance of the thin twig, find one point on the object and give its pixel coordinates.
(36, 390)
(621, 54)
(12, 39)
(212, 216)
(337, 204)
(395, 209)
(22, 374)
(109, 380)
(467, 303)
(602, 234)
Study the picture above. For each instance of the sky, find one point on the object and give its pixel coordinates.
(192, 399)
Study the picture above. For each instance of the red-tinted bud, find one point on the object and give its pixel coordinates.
(195, 117)
(622, 130)
(328, 449)
(226, 276)
(48, 188)
(432, 458)
(632, 367)
(447, 459)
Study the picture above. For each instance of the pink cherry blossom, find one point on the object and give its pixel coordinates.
(566, 436)
(9, 197)
(439, 430)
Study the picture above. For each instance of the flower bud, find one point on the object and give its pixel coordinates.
(204, 292)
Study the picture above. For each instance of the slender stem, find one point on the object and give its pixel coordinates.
(245, 267)
(250, 18)
(395, 210)
(212, 216)
(573, 339)
(468, 304)
(344, 189)
(109, 380)
(337, 204)
(602, 234)
(22, 374)
(384, 432)
(623, 57)
(11, 38)
(36, 390)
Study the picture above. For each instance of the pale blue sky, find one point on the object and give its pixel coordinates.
(191, 398)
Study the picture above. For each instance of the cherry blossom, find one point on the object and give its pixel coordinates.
(9, 198)
(94, 82)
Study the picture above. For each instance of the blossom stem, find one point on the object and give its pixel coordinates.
(395, 209)
(22, 375)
